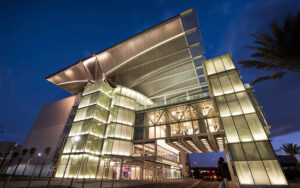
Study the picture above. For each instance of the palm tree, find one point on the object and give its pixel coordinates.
(278, 51)
(14, 155)
(31, 153)
(291, 149)
(24, 152)
(47, 151)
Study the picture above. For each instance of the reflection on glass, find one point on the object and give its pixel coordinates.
(243, 172)
(233, 104)
(230, 130)
(255, 126)
(245, 102)
(223, 107)
(259, 173)
(218, 64)
(210, 67)
(275, 173)
(242, 128)
(226, 84)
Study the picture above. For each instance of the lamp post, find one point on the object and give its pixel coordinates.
(74, 141)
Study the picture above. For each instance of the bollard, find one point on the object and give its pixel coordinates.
(83, 183)
(49, 181)
(7, 181)
(29, 182)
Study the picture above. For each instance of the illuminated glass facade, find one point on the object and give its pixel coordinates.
(147, 102)
(254, 158)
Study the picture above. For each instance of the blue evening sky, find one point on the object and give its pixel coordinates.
(40, 37)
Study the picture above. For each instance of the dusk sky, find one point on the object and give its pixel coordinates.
(41, 37)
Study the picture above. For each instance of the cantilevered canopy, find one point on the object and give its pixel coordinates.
(162, 60)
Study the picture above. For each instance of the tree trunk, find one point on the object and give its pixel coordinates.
(17, 166)
(26, 166)
(2, 164)
(6, 168)
(42, 167)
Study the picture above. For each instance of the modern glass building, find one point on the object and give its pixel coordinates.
(145, 103)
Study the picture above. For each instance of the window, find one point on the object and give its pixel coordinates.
(151, 132)
(236, 82)
(227, 62)
(230, 130)
(259, 173)
(216, 87)
(226, 85)
(223, 107)
(174, 129)
(265, 150)
(186, 128)
(243, 172)
(237, 152)
(210, 67)
(255, 126)
(275, 173)
(233, 104)
(245, 102)
(218, 64)
(242, 128)
(251, 151)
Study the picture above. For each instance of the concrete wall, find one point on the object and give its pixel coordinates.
(45, 132)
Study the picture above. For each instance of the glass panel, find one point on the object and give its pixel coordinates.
(236, 82)
(216, 87)
(245, 102)
(212, 124)
(256, 128)
(243, 172)
(210, 67)
(218, 64)
(265, 150)
(151, 132)
(242, 129)
(186, 128)
(251, 151)
(237, 152)
(115, 148)
(227, 62)
(174, 129)
(259, 173)
(226, 85)
(223, 107)
(230, 130)
(275, 173)
(233, 104)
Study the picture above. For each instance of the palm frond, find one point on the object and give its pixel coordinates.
(277, 50)
(274, 76)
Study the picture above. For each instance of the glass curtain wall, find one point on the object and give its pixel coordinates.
(81, 154)
(185, 119)
(102, 127)
(254, 159)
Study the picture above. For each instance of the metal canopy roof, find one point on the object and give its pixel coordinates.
(163, 60)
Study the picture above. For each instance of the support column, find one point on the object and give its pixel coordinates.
(121, 169)
(229, 166)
